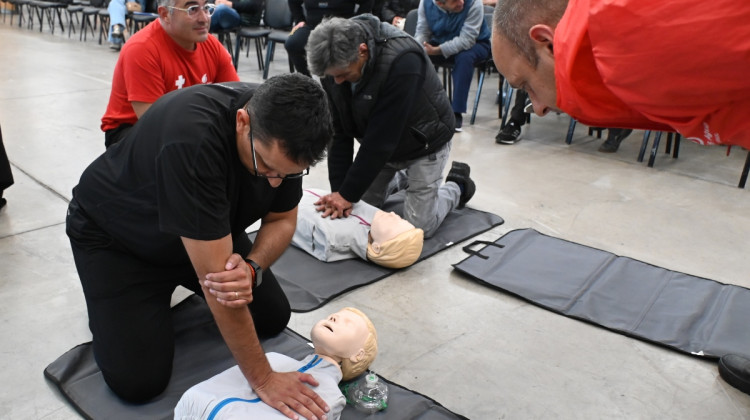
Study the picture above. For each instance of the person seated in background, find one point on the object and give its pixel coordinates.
(368, 233)
(232, 14)
(170, 53)
(307, 14)
(455, 30)
(346, 344)
(118, 11)
(395, 11)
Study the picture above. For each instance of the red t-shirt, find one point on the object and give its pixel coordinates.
(151, 64)
(680, 65)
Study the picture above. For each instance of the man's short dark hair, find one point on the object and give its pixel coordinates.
(292, 109)
(514, 18)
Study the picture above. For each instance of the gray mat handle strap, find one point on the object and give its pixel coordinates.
(468, 248)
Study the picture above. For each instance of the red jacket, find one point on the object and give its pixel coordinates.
(662, 65)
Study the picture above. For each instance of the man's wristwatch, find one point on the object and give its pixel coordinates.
(257, 272)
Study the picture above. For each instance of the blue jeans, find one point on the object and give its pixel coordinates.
(118, 12)
(463, 71)
(427, 202)
(224, 17)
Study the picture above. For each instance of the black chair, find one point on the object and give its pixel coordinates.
(73, 11)
(89, 21)
(655, 146)
(255, 33)
(225, 37)
(410, 22)
(10, 11)
(745, 170)
(103, 24)
(278, 17)
(139, 20)
(592, 130)
(51, 9)
(22, 8)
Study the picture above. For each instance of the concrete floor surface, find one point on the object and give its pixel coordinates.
(479, 352)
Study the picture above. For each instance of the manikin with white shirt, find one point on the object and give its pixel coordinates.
(371, 234)
(345, 346)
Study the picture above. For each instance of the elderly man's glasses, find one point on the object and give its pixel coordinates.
(193, 10)
(255, 164)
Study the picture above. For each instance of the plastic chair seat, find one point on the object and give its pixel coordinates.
(256, 33)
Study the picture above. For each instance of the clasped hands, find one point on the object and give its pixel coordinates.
(333, 205)
(234, 286)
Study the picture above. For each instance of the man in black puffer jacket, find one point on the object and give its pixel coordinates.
(384, 92)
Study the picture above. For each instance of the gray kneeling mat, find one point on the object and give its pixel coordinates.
(200, 353)
(690, 314)
(310, 283)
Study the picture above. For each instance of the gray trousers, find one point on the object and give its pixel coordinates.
(427, 202)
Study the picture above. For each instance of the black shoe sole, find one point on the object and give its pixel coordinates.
(728, 374)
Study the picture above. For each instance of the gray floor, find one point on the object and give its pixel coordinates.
(477, 351)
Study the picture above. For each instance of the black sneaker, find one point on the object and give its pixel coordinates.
(460, 169)
(3, 202)
(736, 371)
(614, 138)
(459, 122)
(510, 134)
(459, 174)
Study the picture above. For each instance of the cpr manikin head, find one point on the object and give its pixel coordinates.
(394, 242)
(349, 338)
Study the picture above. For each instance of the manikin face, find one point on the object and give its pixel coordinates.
(538, 82)
(185, 30)
(341, 335)
(386, 226)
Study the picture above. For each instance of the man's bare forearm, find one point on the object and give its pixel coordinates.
(274, 236)
(235, 324)
(238, 330)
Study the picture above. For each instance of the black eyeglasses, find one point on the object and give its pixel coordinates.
(260, 175)
(192, 11)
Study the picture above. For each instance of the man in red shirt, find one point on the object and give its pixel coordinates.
(172, 52)
(679, 66)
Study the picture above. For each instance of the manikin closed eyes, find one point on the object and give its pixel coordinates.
(345, 345)
(369, 233)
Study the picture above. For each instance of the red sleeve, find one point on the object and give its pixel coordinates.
(684, 64)
(142, 71)
(225, 71)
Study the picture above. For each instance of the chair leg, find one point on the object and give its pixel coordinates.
(506, 107)
(654, 149)
(745, 169)
(644, 144)
(668, 146)
(480, 83)
(259, 52)
(571, 129)
(676, 149)
(236, 57)
(269, 53)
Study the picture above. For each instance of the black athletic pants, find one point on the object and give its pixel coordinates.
(128, 307)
